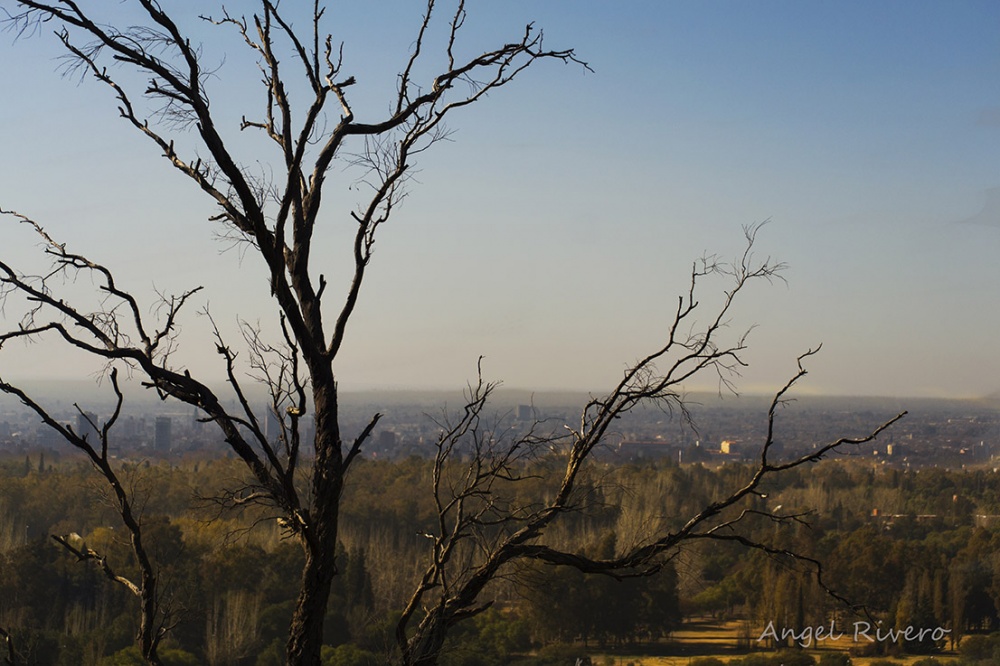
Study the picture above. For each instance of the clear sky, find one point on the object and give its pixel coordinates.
(553, 233)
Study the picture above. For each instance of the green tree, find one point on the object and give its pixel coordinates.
(348, 655)
(131, 656)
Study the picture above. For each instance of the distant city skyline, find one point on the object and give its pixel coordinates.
(555, 230)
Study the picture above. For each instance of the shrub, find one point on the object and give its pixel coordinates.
(793, 658)
(557, 654)
(978, 647)
(131, 656)
(347, 655)
(780, 658)
(835, 659)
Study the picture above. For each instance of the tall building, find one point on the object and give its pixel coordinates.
(161, 435)
(85, 427)
(386, 441)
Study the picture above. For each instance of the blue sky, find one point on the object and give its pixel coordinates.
(553, 233)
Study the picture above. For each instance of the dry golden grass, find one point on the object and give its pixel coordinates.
(619, 660)
(719, 639)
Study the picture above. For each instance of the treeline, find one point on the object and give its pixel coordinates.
(228, 579)
(905, 545)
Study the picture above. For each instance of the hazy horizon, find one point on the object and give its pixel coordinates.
(90, 392)
(555, 230)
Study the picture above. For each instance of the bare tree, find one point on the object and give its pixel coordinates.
(153, 618)
(485, 527)
(278, 221)
(483, 530)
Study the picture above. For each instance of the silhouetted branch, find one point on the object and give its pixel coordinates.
(360, 440)
(471, 507)
(277, 218)
(145, 590)
(75, 545)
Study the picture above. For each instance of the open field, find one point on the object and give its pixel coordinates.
(722, 640)
(622, 660)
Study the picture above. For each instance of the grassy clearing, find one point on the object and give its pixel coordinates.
(722, 640)
(640, 660)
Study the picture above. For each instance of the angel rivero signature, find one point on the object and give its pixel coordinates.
(861, 632)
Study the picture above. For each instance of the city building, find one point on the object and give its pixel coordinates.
(161, 435)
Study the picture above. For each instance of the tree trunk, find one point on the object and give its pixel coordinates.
(148, 631)
(305, 637)
(424, 649)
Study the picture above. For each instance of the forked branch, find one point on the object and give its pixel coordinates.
(151, 628)
(277, 216)
(468, 487)
(75, 545)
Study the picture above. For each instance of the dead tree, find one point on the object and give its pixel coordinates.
(485, 528)
(481, 531)
(153, 619)
(277, 219)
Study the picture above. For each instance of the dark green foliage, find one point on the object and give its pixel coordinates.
(131, 657)
(352, 602)
(557, 654)
(502, 634)
(910, 572)
(491, 639)
(272, 655)
(274, 621)
(565, 605)
(870, 567)
(783, 658)
(980, 649)
(348, 655)
(835, 659)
